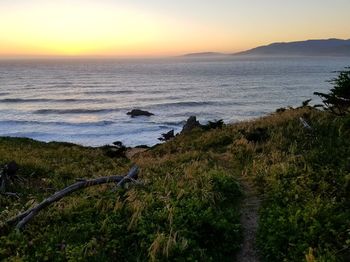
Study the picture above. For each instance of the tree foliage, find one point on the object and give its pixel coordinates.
(338, 99)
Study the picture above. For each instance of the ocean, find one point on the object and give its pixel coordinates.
(85, 101)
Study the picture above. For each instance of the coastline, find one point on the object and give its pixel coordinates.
(181, 180)
(89, 108)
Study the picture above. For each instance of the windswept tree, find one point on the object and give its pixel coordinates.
(338, 99)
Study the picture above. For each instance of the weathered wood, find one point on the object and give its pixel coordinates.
(26, 216)
(305, 124)
(26, 219)
(10, 194)
(132, 175)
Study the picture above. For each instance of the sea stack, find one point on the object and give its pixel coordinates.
(190, 124)
(139, 112)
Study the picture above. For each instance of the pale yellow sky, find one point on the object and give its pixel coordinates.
(159, 27)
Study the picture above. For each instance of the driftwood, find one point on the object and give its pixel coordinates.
(26, 216)
(131, 176)
(305, 124)
(10, 194)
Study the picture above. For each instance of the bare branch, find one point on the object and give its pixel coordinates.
(26, 216)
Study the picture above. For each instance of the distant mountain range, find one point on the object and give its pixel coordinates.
(205, 54)
(326, 47)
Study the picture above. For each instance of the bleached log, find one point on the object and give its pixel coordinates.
(10, 194)
(305, 124)
(26, 216)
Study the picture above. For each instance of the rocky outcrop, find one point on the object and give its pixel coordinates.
(167, 136)
(190, 124)
(139, 112)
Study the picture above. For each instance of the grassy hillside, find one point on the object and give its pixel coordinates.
(187, 207)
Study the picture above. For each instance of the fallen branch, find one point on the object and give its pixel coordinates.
(26, 216)
(10, 194)
(132, 175)
(305, 124)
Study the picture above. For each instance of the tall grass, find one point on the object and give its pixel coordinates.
(187, 207)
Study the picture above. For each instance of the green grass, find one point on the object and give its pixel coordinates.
(188, 205)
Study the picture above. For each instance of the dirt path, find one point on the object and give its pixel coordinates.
(131, 152)
(249, 221)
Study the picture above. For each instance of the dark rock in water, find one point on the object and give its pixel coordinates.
(139, 112)
(167, 136)
(257, 135)
(190, 124)
(116, 150)
(213, 125)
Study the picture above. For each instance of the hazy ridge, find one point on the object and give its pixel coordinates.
(321, 47)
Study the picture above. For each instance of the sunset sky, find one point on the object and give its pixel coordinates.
(162, 27)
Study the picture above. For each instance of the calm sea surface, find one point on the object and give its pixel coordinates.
(86, 101)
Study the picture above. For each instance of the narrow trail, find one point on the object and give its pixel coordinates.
(249, 220)
(131, 152)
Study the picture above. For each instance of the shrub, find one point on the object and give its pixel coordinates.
(338, 99)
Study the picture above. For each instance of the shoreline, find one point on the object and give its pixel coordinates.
(145, 145)
(180, 184)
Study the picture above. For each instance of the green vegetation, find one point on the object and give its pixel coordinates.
(338, 99)
(304, 178)
(188, 204)
(187, 207)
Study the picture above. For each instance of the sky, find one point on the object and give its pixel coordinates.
(161, 27)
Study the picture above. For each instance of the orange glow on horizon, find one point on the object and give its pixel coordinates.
(92, 28)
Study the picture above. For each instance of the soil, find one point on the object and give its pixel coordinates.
(133, 151)
(249, 221)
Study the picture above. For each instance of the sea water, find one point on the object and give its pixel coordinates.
(85, 101)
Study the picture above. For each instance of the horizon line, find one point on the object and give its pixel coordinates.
(145, 56)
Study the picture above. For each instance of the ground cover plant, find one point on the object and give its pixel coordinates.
(188, 205)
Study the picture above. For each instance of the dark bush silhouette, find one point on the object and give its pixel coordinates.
(214, 124)
(338, 99)
(118, 150)
(257, 135)
(167, 136)
(8, 174)
(305, 103)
